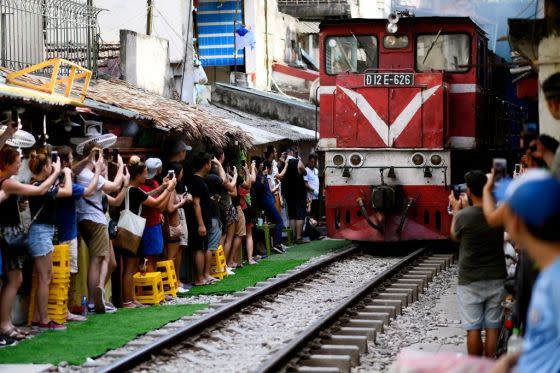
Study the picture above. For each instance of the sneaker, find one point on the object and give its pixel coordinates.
(284, 247)
(278, 249)
(182, 290)
(229, 271)
(109, 308)
(7, 341)
(91, 308)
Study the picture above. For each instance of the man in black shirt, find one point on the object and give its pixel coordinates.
(199, 217)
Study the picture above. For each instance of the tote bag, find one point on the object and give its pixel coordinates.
(129, 228)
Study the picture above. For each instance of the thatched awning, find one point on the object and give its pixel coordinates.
(176, 116)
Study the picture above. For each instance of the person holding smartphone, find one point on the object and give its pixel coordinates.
(152, 239)
(92, 225)
(11, 227)
(41, 231)
(482, 269)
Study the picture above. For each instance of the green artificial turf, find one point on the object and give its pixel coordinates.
(93, 337)
(249, 275)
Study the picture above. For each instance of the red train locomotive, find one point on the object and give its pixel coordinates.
(405, 104)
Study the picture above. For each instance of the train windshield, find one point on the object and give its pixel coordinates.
(354, 53)
(448, 52)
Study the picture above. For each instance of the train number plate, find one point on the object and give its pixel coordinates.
(394, 79)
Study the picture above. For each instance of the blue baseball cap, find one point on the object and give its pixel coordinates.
(533, 196)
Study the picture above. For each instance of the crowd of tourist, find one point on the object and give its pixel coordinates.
(192, 205)
(526, 206)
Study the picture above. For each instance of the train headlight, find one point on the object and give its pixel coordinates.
(418, 159)
(356, 160)
(338, 160)
(436, 159)
(392, 28)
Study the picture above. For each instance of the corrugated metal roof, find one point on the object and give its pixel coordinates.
(304, 27)
(262, 130)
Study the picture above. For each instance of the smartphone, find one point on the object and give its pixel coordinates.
(124, 171)
(500, 168)
(170, 174)
(115, 155)
(517, 168)
(243, 163)
(96, 154)
(54, 156)
(106, 153)
(15, 118)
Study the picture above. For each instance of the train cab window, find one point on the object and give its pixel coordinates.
(448, 52)
(395, 41)
(354, 53)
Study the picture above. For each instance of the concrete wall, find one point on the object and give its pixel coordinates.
(169, 17)
(266, 105)
(281, 31)
(549, 57)
(145, 62)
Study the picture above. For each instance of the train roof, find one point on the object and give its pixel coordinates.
(434, 19)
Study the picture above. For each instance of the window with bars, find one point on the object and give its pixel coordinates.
(32, 31)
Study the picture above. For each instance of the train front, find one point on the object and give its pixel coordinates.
(386, 169)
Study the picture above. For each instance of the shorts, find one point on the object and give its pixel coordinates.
(480, 304)
(11, 259)
(214, 234)
(40, 239)
(297, 209)
(240, 228)
(73, 245)
(96, 237)
(197, 242)
(152, 241)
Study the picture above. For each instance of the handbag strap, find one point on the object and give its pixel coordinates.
(93, 205)
(127, 202)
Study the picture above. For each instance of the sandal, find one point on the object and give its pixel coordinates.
(25, 333)
(12, 333)
(130, 304)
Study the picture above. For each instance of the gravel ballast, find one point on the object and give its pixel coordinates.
(249, 338)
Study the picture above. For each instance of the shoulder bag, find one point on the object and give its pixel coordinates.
(130, 228)
(15, 237)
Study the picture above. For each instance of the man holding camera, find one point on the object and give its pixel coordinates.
(481, 267)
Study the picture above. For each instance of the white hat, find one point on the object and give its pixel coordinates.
(152, 164)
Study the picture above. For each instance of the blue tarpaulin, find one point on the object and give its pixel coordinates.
(216, 25)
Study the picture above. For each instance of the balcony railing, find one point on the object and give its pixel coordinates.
(316, 9)
(32, 31)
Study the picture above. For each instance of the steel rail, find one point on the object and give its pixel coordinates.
(282, 357)
(175, 337)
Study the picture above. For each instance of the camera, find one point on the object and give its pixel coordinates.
(106, 153)
(54, 156)
(459, 189)
(96, 154)
(500, 168)
(170, 174)
(115, 155)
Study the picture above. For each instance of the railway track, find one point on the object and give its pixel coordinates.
(332, 341)
(216, 313)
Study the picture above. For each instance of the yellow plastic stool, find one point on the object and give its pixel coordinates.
(168, 277)
(218, 265)
(148, 289)
(290, 233)
(57, 306)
